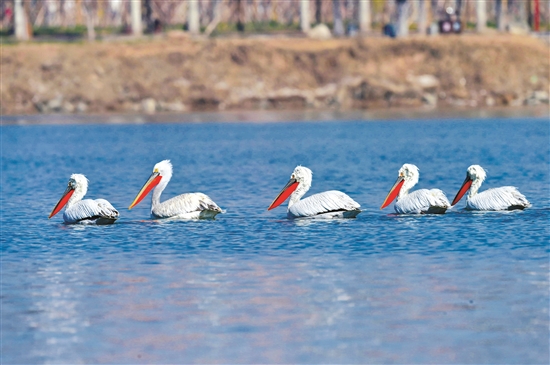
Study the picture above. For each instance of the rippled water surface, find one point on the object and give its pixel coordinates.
(252, 286)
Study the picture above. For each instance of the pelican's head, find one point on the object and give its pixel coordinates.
(409, 172)
(163, 168)
(407, 178)
(78, 184)
(476, 172)
(301, 177)
(475, 175)
(161, 171)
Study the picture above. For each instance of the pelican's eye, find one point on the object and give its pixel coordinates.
(293, 176)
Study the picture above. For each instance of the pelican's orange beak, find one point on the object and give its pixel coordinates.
(284, 194)
(153, 181)
(64, 199)
(463, 189)
(394, 192)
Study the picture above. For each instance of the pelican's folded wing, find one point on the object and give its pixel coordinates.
(420, 201)
(328, 201)
(503, 198)
(89, 209)
(106, 209)
(186, 203)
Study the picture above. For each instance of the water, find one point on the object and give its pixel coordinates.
(252, 287)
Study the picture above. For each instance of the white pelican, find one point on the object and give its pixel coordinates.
(88, 211)
(184, 206)
(503, 198)
(421, 201)
(329, 204)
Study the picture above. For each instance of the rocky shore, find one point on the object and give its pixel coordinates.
(179, 74)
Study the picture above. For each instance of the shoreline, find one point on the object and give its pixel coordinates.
(184, 75)
(284, 116)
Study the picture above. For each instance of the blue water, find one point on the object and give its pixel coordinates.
(253, 287)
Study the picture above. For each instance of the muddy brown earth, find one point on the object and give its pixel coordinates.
(176, 74)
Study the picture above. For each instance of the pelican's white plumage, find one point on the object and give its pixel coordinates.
(503, 198)
(329, 204)
(87, 211)
(422, 201)
(184, 206)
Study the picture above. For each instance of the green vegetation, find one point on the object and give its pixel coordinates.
(76, 31)
(271, 26)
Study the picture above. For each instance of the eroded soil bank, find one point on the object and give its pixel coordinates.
(178, 74)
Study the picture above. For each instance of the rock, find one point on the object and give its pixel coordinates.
(55, 104)
(328, 90)
(41, 106)
(68, 107)
(289, 98)
(320, 31)
(350, 81)
(541, 96)
(516, 102)
(424, 82)
(429, 99)
(148, 105)
(172, 107)
(537, 98)
(205, 103)
(81, 107)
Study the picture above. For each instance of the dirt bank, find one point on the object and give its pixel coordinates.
(179, 74)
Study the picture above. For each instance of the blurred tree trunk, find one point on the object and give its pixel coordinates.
(422, 16)
(402, 18)
(318, 11)
(193, 17)
(364, 16)
(239, 9)
(148, 16)
(481, 16)
(433, 7)
(458, 7)
(20, 21)
(216, 18)
(304, 15)
(337, 16)
(501, 10)
(90, 15)
(136, 17)
(78, 12)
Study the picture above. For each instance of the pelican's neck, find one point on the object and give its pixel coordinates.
(474, 188)
(407, 185)
(79, 192)
(157, 191)
(300, 191)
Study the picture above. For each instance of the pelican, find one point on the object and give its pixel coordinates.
(88, 211)
(184, 206)
(503, 198)
(329, 204)
(421, 201)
